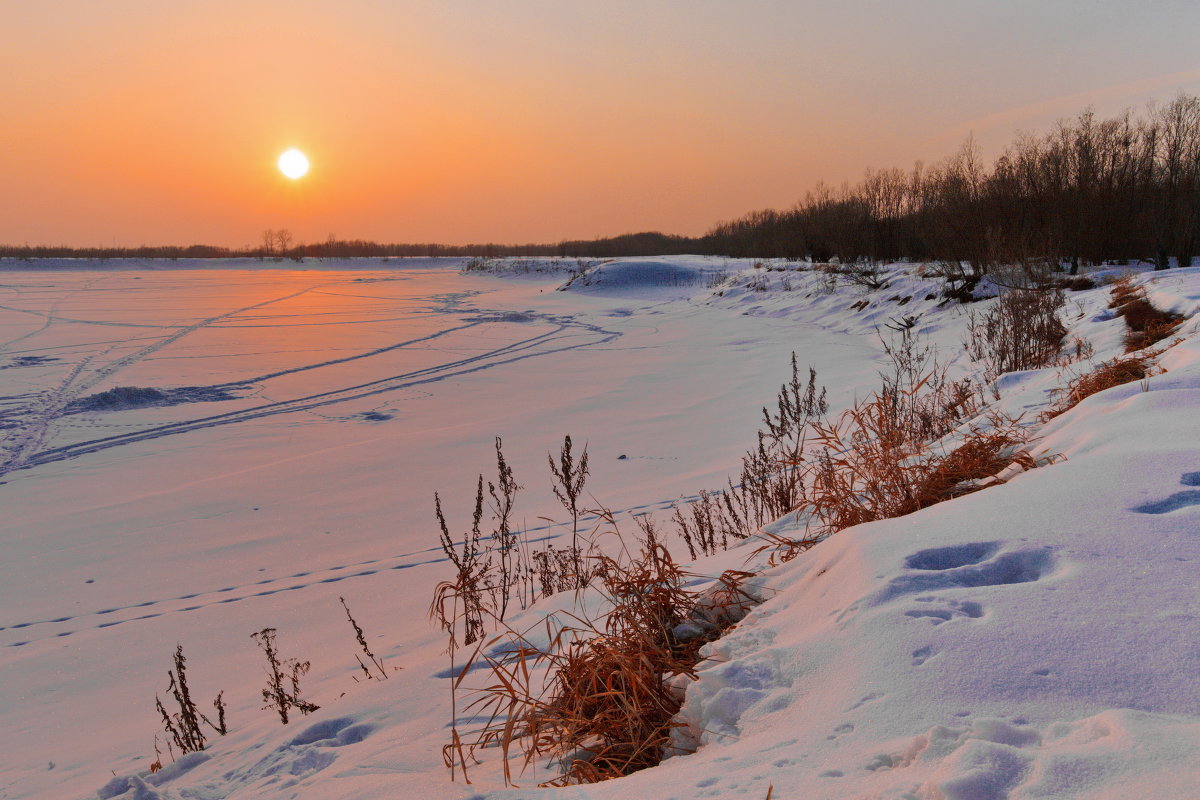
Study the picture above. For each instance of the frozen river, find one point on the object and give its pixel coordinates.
(191, 454)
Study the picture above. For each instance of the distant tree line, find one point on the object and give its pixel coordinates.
(1090, 190)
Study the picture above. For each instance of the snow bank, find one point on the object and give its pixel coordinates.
(640, 277)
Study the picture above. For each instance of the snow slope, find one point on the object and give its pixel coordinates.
(1034, 640)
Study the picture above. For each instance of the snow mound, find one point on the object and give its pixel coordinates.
(123, 398)
(637, 276)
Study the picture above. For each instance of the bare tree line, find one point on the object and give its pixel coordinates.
(1090, 190)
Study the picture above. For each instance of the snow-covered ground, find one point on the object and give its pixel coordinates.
(194, 452)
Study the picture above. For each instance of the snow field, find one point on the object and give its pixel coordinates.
(1034, 640)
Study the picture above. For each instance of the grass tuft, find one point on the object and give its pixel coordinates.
(1146, 324)
(1109, 374)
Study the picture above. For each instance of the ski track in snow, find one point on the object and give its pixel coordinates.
(23, 448)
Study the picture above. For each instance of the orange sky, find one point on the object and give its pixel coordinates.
(146, 121)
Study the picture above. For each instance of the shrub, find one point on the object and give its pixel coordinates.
(1020, 331)
(1078, 283)
(866, 274)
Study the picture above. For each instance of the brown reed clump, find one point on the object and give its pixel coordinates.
(1109, 374)
(871, 467)
(1146, 324)
(597, 702)
(888, 455)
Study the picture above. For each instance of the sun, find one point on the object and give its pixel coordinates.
(293, 164)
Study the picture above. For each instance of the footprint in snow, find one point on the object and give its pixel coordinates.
(943, 558)
(955, 609)
(966, 565)
(1176, 501)
(840, 730)
(873, 696)
(1168, 504)
(921, 655)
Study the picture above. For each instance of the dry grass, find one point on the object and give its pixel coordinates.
(1123, 290)
(1109, 374)
(1146, 323)
(905, 447)
(1078, 283)
(598, 702)
(870, 468)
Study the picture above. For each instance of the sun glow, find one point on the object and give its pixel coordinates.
(293, 164)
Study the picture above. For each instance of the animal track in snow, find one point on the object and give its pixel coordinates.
(922, 654)
(840, 730)
(332, 733)
(872, 697)
(1176, 501)
(955, 609)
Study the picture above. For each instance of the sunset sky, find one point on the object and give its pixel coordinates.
(159, 121)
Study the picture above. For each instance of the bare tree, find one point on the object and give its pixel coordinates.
(268, 246)
(283, 238)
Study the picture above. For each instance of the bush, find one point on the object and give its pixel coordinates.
(1075, 284)
(1020, 331)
